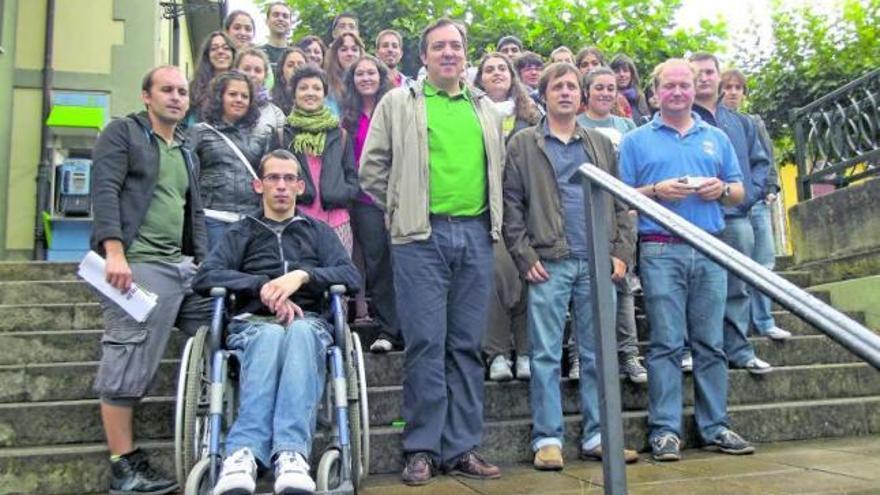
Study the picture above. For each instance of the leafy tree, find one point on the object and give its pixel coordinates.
(813, 54)
(643, 29)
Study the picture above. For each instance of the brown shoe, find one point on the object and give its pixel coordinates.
(471, 465)
(419, 470)
(629, 456)
(548, 458)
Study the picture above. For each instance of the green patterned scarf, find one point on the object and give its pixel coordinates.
(311, 130)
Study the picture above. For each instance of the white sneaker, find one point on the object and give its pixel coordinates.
(238, 474)
(381, 346)
(499, 369)
(523, 368)
(292, 474)
(687, 363)
(757, 366)
(777, 333)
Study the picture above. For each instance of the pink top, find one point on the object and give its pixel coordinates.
(359, 139)
(335, 217)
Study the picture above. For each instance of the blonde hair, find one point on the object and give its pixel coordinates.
(662, 66)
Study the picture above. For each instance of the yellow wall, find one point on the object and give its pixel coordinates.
(24, 158)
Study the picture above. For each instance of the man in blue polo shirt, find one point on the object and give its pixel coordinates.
(690, 168)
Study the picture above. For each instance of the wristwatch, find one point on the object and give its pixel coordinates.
(726, 191)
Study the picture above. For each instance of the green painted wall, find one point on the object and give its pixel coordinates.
(6, 78)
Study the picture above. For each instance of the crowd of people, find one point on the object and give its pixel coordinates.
(443, 201)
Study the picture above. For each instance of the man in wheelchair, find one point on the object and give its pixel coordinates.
(278, 264)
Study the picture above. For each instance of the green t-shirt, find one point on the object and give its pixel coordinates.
(456, 154)
(161, 233)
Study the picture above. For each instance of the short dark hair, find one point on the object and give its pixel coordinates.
(700, 56)
(305, 72)
(278, 3)
(342, 15)
(231, 18)
(509, 40)
(439, 23)
(528, 59)
(147, 81)
(280, 154)
(555, 71)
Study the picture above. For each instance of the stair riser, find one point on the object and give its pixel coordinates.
(43, 318)
(64, 347)
(45, 293)
(16, 271)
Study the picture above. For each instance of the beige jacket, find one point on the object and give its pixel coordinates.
(394, 162)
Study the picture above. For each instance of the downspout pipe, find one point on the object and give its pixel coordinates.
(45, 165)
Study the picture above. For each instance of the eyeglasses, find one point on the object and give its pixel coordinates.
(276, 178)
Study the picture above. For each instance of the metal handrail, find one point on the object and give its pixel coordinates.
(848, 333)
(853, 336)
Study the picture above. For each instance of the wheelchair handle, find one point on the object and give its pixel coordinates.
(337, 289)
(218, 292)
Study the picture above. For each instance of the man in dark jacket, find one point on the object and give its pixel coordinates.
(545, 230)
(278, 264)
(149, 226)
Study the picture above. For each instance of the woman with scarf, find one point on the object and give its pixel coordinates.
(366, 82)
(629, 86)
(325, 153)
(255, 63)
(228, 134)
(506, 332)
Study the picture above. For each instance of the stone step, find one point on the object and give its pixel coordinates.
(802, 279)
(60, 346)
(37, 423)
(42, 317)
(70, 381)
(76, 469)
(822, 295)
(68, 469)
(508, 441)
(505, 401)
(46, 292)
(36, 270)
(387, 369)
(784, 262)
(24, 424)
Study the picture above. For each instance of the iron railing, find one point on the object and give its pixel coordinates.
(850, 334)
(837, 137)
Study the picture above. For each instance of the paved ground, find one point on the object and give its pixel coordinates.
(849, 465)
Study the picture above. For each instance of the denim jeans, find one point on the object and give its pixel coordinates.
(281, 384)
(548, 303)
(684, 290)
(442, 286)
(627, 340)
(739, 235)
(215, 229)
(765, 254)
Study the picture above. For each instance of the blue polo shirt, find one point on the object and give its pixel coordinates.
(656, 152)
(566, 158)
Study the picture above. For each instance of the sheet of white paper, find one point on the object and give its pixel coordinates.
(137, 302)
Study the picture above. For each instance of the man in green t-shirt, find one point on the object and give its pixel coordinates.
(432, 162)
(150, 228)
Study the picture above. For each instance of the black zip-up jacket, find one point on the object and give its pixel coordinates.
(339, 179)
(251, 254)
(125, 169)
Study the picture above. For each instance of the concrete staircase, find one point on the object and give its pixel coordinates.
(51, 435)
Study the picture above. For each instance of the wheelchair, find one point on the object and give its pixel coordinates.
(207, 402)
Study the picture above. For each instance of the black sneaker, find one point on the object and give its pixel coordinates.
(731, 443)
(133, 475)
(666, 447)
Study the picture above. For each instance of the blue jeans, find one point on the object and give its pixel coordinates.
(215, 229)
(281, 384)
(684, 290)
(765, 254)
(548, 303)
(442, 286)
(739, 235)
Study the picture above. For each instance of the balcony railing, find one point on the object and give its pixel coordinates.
(837, 137)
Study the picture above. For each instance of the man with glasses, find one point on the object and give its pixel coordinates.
(278, 264)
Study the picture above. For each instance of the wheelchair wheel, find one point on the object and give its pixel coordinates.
(327, 478)
(191, 392)
(192, 350)
(199, 481)
(358, 412)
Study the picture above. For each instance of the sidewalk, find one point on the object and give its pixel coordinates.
(847, 465)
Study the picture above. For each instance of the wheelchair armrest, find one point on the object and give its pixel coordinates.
(338, 289)
(218, 292)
